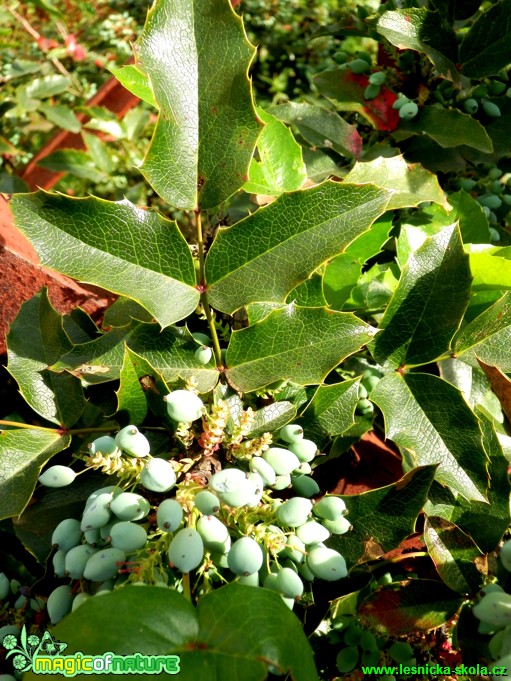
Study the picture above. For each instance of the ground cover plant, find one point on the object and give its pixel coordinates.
(310, 277)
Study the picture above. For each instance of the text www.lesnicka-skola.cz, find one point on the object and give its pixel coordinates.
(437, 670)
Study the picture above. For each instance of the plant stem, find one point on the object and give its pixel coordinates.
(186, 586)
(28, 426)
(204, 295)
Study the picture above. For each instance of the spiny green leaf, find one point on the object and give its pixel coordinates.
(428, 304)
(118, 246)
(321, 127)
(410, 182)
(383, 517)
(22, 455)
(196, 56)
(488, 335)
(264, 256)
(271, 418)
(280, 167)
(484, 522)
(134, 80)
(130, 396)
(486, 47)
(309, 293)
(36, 340)
(293, 343)
(170, 352)
(430, 418)
(422, 30)
(450, 128)
(331, 411)
(454, 554)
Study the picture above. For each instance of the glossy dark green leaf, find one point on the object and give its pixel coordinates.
(117, 246)
(404, 608)
(410, 183)
(293, 343)
(485, 523)
(264, 256)
(486, 47)
(428, 304)
(450, 128)
(35, 341)
(454, 554)
(422, 30)
(130, 395)
(22, 455)
(280, 167)
(196, 56)
(430, 418)
(383, 517)
(321, 127)
(488, 336)
(331, 411)
(170, 352)
(309, 293)
(271, 418)
(235, 632)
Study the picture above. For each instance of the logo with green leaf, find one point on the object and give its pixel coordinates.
(26, 649)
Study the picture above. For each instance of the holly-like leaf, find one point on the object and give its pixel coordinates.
(422, 30)
(22, 455)
(473, 222)
(410, 182)
(62, 116)
(486, 47)
(236, 632)
(485, 523)
(430, 418)
(415, 605)
(264, 256)
(196, 56)
(309, 293)
(321, 127)
(454, 554)
(271, 418)
(74, 161)
(488, 336)
(35, 341)
(134, 80)
(450, 128)
(490, 267)
(280, 167)
(293, 343)
(130, 396)
(428, 304)
(383, 517)
(331, 411)
(171, 353)
(117, 246)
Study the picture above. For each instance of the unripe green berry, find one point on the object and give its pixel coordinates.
(158, 475)
(105, 444)
(207, 502)
(470, 105)
(169, 515)
(359, 66)
(362, 54)
(59, 603)
(491, 109)
(371, 91)
(291, 433)
(495, 173)
(184, 406)
(203, 355)
(245, 556)
(466, 183)
(57, 476)
(377, 78)
(186, 550)
(201, 338)
(491, 201)
(132, 442)
(408, 110)
(283, 461)
(400, 101)
(496, 87)
(340, 57)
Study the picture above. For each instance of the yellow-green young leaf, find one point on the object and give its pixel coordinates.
(22, 455)
(264, 256)
(62, 116)
(490, 269)
(454, 554)
(331, 411)
(196, 56)
(428, 304)
(411, 183)
(293, 343)
(450, 128)
(383, 517)
(430, 418)
(321, 127)
(117, 246)
(35, 341)
(280, 167)
(134, 80)
(171, 353)
(488, 336)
